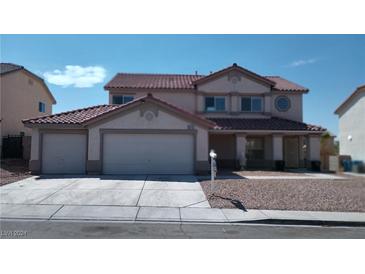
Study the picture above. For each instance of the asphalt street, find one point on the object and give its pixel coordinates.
(24, 229)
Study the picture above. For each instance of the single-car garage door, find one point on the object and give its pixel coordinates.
(64, 153)
(148, 153)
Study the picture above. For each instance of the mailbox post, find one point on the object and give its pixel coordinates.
(213, 165)
(213, 168)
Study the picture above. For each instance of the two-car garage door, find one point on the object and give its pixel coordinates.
(148, 153)
(121, 153)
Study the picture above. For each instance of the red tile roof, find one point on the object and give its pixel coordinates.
(73, 117)
(273, 123)
(286, 85)
(181, 81)
(153, 81)
(86, 115)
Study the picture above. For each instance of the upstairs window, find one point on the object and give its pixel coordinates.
(251, 104)
(41, 107)
(215, 104)
(122, 99)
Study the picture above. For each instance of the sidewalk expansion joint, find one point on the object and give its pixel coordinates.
(54, 213)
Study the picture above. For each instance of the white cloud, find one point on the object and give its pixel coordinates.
(77, 76)
(302, 62)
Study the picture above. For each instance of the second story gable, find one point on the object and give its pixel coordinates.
(231, 92)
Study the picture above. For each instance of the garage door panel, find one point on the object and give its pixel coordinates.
(64, 153)
(148, 153)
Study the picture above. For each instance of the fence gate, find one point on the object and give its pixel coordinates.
(12, 147)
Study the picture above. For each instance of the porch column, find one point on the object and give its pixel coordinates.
(277, 152)
(314, 147)
(241, 150)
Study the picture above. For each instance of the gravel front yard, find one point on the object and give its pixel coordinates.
(13, 170)
(307, 194)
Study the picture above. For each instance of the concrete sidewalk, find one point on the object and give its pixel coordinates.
(172, 214)
(299, 176)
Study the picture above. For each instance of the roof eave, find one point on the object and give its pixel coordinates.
(52, 125)
(10, 71)
(347, 100)
(108, 88)
(292, 90)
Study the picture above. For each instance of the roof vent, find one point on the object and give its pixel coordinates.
(235, 64)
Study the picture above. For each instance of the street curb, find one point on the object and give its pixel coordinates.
(304, 222)
(263, 221)
(184, 215)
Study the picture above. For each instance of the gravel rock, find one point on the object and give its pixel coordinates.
(305, 194)
(12, 170)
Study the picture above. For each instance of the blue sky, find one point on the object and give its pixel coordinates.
(331, 66)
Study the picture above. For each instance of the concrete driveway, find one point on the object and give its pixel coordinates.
(143, 191)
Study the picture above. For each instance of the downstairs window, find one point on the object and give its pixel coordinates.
(255, 148)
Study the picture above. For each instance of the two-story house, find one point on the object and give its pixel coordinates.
(22, 95)
(167, 124)
(351, 115)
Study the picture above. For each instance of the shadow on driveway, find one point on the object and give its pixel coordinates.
(157, 178)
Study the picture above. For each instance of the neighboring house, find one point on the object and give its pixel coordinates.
(22, 95)
(351, 115)
(167, 123)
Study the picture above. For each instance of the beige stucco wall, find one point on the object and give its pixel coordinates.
(296, 107)
(182, 99)
(352, 123)
(134, 120)
(19, 100)
(226, 84)
(233, 87)
(34, 151)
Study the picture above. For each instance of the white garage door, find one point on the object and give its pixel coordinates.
(63, 153)
(148, 153)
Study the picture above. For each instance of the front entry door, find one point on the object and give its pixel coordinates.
(291, 152)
